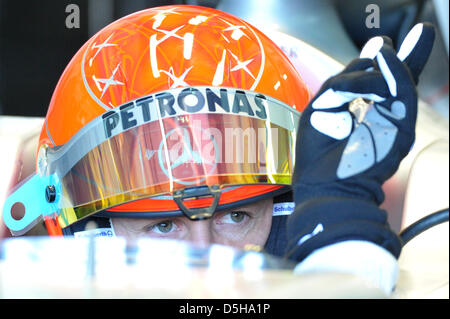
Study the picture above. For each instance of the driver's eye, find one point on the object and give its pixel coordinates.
(237, 217)
(234, 217)
(163, 227)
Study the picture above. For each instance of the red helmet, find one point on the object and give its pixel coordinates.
(167, 110)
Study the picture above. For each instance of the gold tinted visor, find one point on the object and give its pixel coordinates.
(168, 143)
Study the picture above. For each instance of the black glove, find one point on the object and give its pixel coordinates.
(351, 139)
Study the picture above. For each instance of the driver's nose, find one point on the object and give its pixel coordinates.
(200, 233)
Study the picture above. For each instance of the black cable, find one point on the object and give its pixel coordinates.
(423, 224)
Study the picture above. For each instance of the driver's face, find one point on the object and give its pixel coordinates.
(237, 228)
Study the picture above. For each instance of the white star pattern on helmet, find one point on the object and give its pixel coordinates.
(170, 33)
(99, 47)
(161, 15)
(241, 64)
(236, 33)
(178, 75)
(154, 42)
(177, 81)
(107, 82)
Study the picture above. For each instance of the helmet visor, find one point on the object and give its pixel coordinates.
(164, 143)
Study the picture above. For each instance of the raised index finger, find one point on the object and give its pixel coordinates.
(397, 76)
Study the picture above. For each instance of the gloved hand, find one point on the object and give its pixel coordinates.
(351, 139)
(361, 124)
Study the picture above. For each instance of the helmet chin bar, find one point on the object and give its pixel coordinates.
(197, 192)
